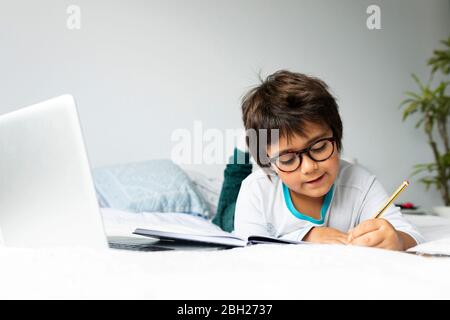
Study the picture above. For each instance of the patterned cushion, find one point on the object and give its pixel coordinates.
(150, 186)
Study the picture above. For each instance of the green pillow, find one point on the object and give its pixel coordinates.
(234, 174)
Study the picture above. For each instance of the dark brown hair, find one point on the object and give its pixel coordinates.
(286, 101)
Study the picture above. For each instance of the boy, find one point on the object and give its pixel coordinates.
(304, 190)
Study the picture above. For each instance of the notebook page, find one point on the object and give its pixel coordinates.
(441, 246)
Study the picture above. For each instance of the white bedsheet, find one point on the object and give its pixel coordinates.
(257, 272)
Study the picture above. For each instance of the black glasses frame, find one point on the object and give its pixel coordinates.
(307, 151)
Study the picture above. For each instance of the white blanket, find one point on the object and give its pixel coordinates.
(256, 272)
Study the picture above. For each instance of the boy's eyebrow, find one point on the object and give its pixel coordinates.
(323, 135)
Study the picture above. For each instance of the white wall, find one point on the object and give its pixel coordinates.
(141, 69)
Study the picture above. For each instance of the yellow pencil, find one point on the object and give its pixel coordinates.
(392, 198)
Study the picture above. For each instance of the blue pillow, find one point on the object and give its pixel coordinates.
(150, 186)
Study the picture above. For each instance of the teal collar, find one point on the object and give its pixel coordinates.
(299, 215)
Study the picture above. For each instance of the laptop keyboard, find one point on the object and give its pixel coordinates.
(144, 244)
(137, 247)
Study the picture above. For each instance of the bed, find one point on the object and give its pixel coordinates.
(254, 272)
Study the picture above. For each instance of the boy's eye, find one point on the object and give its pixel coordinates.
(287, 158)
(319, 147)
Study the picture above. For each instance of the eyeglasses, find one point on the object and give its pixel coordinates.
(319, 151)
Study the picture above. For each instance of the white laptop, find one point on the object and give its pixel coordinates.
(47, 195)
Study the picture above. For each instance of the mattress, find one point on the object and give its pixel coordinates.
(255, 272)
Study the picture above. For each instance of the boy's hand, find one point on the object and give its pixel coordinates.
(326, 235)
(377, 233)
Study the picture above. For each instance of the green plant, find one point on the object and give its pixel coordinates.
(433, 107)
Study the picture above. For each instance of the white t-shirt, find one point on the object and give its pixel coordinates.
(265, 207)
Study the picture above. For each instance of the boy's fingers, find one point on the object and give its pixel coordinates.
(349, 236)
(382, 245)
(335, 241)
(344, 239)
(370, 239)
(363, 228)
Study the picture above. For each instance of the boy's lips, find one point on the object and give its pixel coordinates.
(316, 179)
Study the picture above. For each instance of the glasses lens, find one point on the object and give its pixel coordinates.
(322, 150)
(288, 162)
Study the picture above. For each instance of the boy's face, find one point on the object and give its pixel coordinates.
(303, 181)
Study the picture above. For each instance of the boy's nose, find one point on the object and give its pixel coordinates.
(308, 165)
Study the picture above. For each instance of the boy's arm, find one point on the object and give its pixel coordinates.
(249, 216)
(374, 198)
(380, 233)
(315, 234)
(408, 241)
(326, 235)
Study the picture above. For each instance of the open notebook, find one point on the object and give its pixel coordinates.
(176, 229)
(220, 238)
(191, 230)
(217, 237)
(437, 248)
